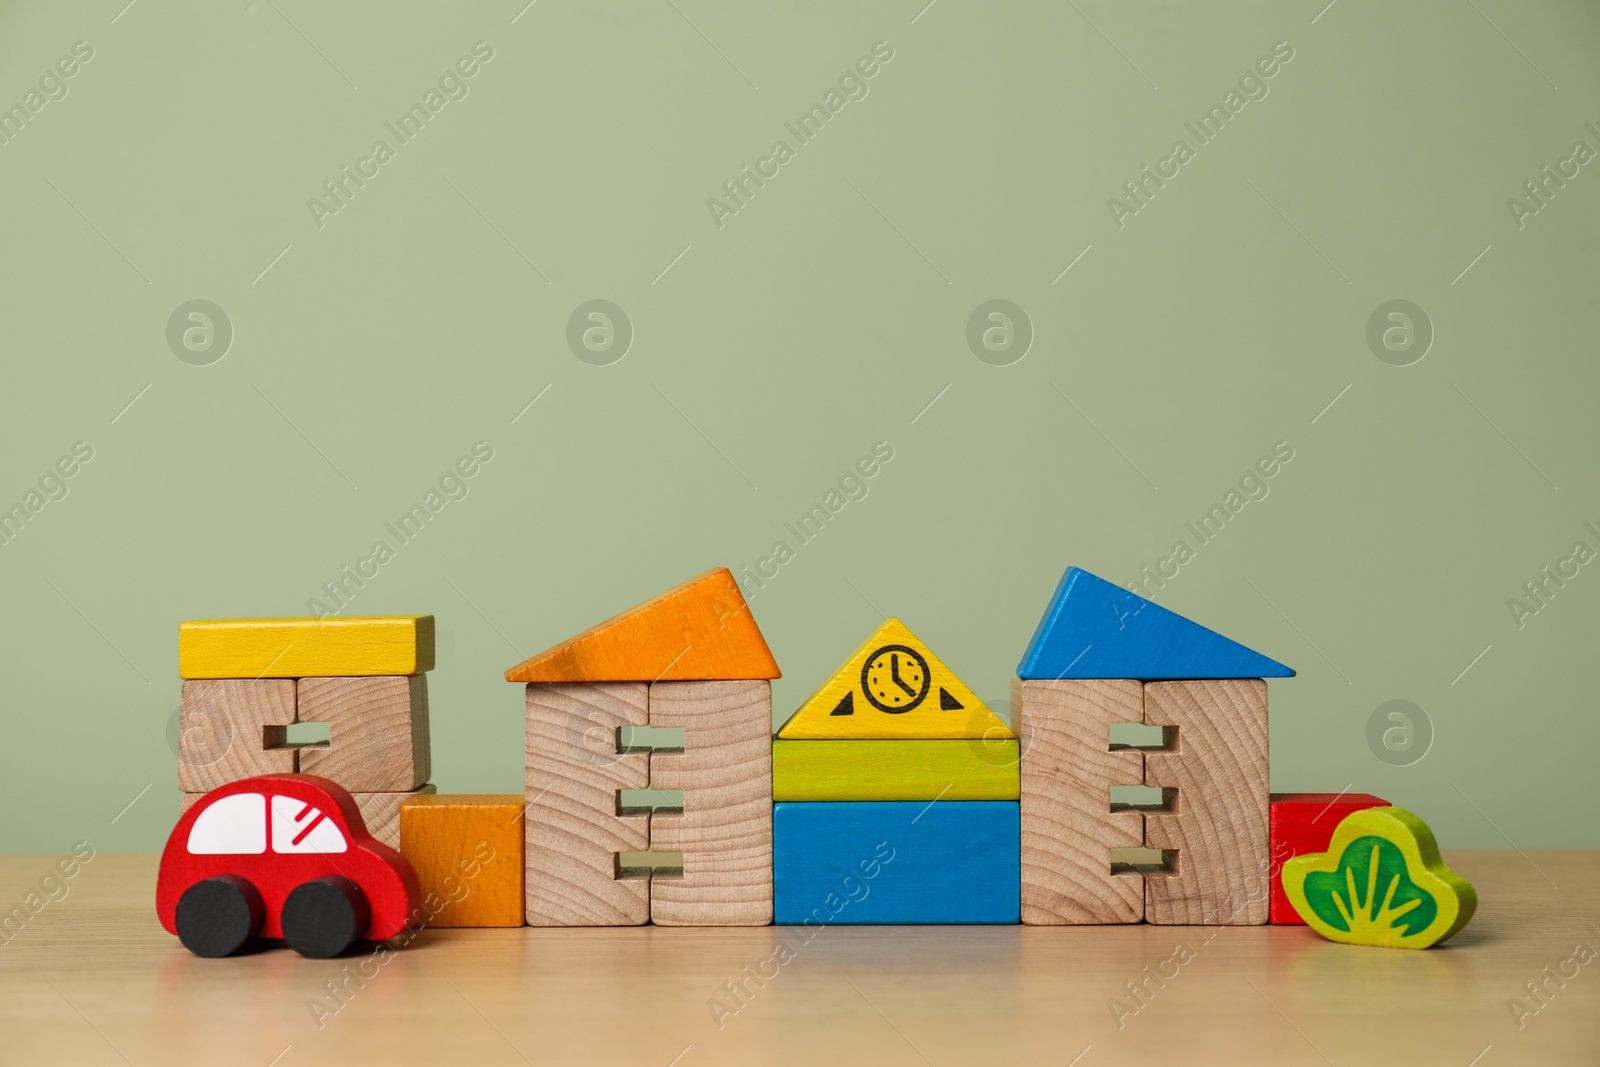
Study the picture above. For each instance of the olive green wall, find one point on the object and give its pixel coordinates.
(1434, 455)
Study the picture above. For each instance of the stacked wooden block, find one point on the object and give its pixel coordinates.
(893, 795)
(900, 797)
(246, 682)
(691, 659)
(896, 794)
(1199, 839)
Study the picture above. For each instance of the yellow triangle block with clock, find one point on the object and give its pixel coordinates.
(893, 688)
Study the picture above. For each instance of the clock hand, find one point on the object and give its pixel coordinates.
(894, 673)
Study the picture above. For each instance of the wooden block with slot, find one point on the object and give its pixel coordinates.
(224, 726)
(1068, 827)
(379, 811)
(377, 731)
(573, 829)
(303, 648)
(893, 687)
(1303, 823)
(952, 769)
(725, 830)
(700, 630)
(1381, 882)
(894, 862)
(1219, 827)
(467, 850)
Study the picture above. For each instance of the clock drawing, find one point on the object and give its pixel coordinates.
(895, 679)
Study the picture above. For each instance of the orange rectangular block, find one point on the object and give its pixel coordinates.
(467, 851)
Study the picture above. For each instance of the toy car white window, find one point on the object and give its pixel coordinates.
(233, 826)
(299, 827)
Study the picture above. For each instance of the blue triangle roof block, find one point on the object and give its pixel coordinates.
(1094, 629)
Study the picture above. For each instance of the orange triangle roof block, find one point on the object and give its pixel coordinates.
(700, 631)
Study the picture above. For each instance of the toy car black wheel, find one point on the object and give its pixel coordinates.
(219, 916)
(324, 917)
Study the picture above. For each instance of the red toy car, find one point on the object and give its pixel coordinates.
(281, 855)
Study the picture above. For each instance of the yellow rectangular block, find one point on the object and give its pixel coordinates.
(467, 852)
(944, 769)
(300, 648)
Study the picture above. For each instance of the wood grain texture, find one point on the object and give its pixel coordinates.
(1068, 828)
(892, 687)
(968, 769)
(1302, 823)
(868, 862)
(300, 648)
(467, 850)
(1220, 825)
(222, 726)
(1093, 629)
(378, 738)
(725, 830)
(700, 630)
(379, 811)
(965, 996)
(572, 826)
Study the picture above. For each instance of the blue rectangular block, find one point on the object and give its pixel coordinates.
(886, 862)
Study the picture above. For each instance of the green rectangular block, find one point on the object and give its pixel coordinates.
(954, 769)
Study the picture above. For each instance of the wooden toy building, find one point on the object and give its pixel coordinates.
(691, 659)
(1103, 656)
(248, 682)
(892, 795)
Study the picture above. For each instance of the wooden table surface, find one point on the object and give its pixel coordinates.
(92, 979)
